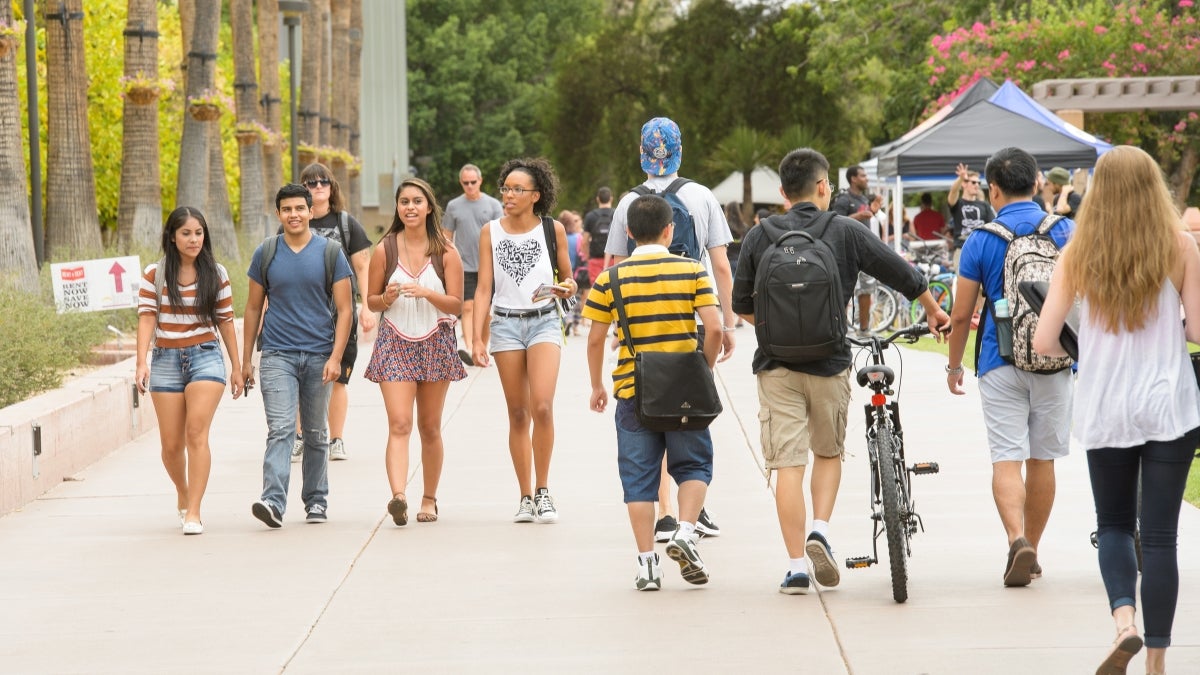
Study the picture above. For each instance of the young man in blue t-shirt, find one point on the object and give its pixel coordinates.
(1028, 415)
(302, 345)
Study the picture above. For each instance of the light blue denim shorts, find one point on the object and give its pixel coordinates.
(515, 333)
(172, 369)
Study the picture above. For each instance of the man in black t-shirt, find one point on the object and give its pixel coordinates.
(968, 208)
(596, 225)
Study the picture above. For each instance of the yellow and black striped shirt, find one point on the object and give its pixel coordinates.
(661, 293)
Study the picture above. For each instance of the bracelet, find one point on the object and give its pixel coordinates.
(954, 371)
(728, 329)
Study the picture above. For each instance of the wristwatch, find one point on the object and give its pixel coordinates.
(953, 371)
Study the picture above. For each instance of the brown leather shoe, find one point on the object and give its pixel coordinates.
(1021, 559)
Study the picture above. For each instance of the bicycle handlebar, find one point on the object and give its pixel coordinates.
(909, 335)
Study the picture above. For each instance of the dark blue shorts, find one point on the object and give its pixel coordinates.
(640, 454)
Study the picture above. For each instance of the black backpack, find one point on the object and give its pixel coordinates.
(799, 312)
(684, 241)
(599, 238)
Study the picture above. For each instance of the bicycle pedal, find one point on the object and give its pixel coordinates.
(860, 562)
(924, 467)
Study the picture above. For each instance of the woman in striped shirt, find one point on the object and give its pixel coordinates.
(184, 300)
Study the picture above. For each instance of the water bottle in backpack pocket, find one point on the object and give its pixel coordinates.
(1004, 330)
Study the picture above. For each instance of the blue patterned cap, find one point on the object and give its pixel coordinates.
(662, 147)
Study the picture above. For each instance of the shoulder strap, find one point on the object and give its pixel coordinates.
(999, 229)
(332, 248)
(268, 254)
(551, 244)
(160, 281)
(619, 305)
(676, 184)
(344, 229)
(391, 256)
(1048, 223)
(642, 190)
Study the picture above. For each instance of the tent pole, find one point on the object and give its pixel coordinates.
(898, 214)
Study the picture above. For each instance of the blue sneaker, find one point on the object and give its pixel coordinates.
(825, 569)
(794, 584)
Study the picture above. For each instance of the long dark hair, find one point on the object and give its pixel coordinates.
(433, 221)
(208, 279)
(318, 171)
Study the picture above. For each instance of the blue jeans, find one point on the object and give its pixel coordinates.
(1164, 469)
(288, 380)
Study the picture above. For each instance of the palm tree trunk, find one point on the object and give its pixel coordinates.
(217, 210)
(72, 218)
(268, 77)
(201, 20)
(1183, 174)
(310, 78)
(250, 147)
(339, 111)
(18, 260)
(139, 213)
(354, 187)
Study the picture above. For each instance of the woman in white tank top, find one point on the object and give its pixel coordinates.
(415, 357)
(1137, 406)
(526, 333)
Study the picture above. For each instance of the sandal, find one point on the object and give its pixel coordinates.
(398, 507)
(425, 516)
(1127, 644)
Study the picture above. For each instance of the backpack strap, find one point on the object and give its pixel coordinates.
(160, 282)
(268, 254)
(676, 184)
(999, 229)
(1048, 223)
(642, 190)
(332, 248)
(344, 230)
(391, 256)
(551, 245)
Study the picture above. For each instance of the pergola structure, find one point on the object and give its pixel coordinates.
(1120, 94)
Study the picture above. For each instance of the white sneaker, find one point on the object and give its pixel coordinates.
(682, 549)
(543, 507)
(297, 449)
(337, 450)
(524, 511)
(649, 576)
(193, 527)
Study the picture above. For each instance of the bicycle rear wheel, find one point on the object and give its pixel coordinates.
(894, 520)
(883, 310)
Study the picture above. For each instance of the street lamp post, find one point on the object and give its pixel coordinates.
(292, 11)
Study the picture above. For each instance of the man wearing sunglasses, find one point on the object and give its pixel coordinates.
(968, 208)
(465, 216)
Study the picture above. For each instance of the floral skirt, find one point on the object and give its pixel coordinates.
(434, 359)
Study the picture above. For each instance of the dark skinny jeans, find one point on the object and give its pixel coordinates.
(1164, 469)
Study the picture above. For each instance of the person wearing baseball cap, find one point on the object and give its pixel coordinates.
(1059, 194)
(661, 152)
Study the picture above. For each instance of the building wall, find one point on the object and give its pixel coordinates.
(383, 122)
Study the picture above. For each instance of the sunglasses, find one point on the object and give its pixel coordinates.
(320, 182)
(973, 182)
(469, 182)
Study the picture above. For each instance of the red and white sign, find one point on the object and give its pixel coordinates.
(96, 285)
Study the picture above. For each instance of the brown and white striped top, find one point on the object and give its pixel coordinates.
(179, 326)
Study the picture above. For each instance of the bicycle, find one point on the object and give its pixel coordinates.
(884, 308)
(930, 258)
(893, 511)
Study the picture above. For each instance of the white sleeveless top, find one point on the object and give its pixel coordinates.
(1135, 387)
(520, 263)
(415, 319)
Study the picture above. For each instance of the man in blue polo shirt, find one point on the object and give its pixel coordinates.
(302, 344)
(1028, 415)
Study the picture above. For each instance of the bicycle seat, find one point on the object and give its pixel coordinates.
(864, 374)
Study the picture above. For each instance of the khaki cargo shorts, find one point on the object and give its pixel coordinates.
(798, 411)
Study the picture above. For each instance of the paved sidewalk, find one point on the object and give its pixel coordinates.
(95, 576)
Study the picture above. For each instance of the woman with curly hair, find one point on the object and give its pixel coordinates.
(415, 357)
(1133, 266)
(183, 302)
(527, 337)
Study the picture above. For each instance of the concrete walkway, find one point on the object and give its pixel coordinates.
(95, 576)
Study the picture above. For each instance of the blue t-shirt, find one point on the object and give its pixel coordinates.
(573, 249)
(983, 262)
(299, 317)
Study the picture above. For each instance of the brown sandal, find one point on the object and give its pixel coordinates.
(398, 507)
(425, 516)
(1127, 644)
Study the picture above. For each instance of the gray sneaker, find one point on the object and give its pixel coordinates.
(316, 514)
(337, 450)
(524, 511)
(683, 550)
(649, 576)
(297, 449)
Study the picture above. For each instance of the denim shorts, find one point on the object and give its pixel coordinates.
(172, 369)
(511, 333)
(640, 454)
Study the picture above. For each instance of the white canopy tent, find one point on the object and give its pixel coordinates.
(764, 187)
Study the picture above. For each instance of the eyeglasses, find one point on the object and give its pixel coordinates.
(320, 182)
(518, 191)
(469, 182)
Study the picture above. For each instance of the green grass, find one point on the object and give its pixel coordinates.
(928, 344)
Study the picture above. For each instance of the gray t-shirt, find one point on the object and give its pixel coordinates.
(465, 218)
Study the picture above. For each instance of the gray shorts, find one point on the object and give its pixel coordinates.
(865, 285)
(1028, 416)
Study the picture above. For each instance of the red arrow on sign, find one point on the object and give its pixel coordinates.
(116, 270)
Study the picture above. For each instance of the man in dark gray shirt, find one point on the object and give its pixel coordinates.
(465, 216)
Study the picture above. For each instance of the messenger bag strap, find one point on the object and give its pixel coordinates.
(619, 305)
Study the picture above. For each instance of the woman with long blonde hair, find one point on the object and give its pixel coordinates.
(1137, 408)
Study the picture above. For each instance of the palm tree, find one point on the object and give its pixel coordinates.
(72, 219)
(250, 155)
(18, 261)
(310, 78)
(268, 77)
(139, 213)
(744, 149)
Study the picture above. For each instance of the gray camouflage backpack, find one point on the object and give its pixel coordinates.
(1029, 257)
